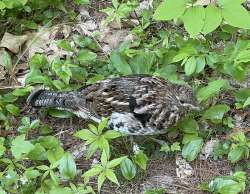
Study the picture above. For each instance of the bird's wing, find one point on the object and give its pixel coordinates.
(145, 97)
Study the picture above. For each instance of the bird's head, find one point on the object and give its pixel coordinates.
(186, 98)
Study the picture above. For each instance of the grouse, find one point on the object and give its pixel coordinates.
(135, 104)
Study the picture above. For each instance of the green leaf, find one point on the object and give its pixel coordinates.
(61, 190)
(85, 134)
(49, 142)
(216, 113)
(64, 44)
(141, 160)
(81, 2)
(200, 64)
(170, 9)
(31, 173)
(91, 150)
(7, 63)
(67, 166)
(236, 154)
(242, 95)
(95, 170)
(246, 103)
(102, 125)
(13, 109)
(111, 176)
(235, 14)
(120, 63)
(2, 149)
(128, 169)
(190, 66)
(115, 162)
(213, 19)
(191, 150)
(189, 126)
(2, 6)
(55, 154)
(85, 56)
(38, 153)
(213, 88)
(100, 181)
(38, 61)
(22, 91)
(112, 134)
(20, 146)
(175, 147)
(104, 159)
(194, 20)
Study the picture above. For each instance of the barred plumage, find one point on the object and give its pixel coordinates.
(136, 104)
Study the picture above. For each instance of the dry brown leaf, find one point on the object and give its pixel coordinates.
(12, 42)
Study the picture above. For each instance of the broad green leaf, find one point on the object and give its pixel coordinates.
(67, 166)
(213, 18)
(236, 15)
(92, 149)
(141, 160)
(229, 184)
(191, 150)
(111, 176)
(85, 56)
(120, 63)
(104, 145)
(22, 91)
(115, 162)
(189, 126)
(49, 142)
(242, 95)
(100, 181)
(64, 44)
(38, 61)
(7, 63)
(240, 137)
(236, 154)
(13, 109)
(190, 66)
(20, 146)
(216, 113)
(2, 6)
(61, 190)
(85, 134)
(38, 153)
(247, 102)
(194, 20)
(95, 170)
(170, 9)
(175, 147)
(2, 149)
(55, 154)
(43, 167)
(102, 125)
(104, 159)
(200, 64)
(128, 169)
(213, 88)
(31, 173)
(112, 134)
(165, 148)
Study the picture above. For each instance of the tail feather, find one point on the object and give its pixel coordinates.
(47, 98)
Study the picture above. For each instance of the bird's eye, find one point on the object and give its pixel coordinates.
(182, 101)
